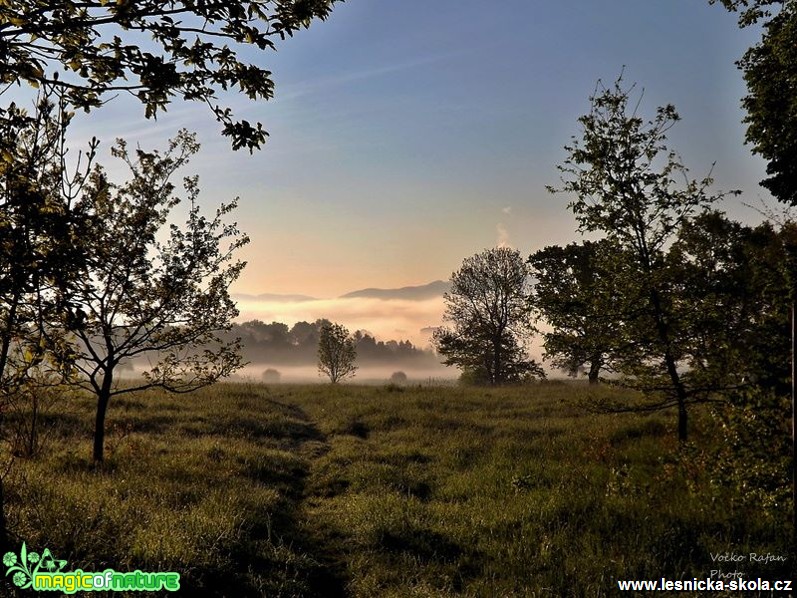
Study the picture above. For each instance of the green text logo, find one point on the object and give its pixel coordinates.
(43, 572)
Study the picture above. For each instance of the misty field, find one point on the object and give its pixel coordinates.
(248, 490)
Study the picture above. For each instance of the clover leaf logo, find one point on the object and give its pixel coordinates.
(28, 564)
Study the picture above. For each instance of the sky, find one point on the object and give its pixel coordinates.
(407, 136)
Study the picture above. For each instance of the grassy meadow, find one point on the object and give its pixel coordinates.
(249, 490)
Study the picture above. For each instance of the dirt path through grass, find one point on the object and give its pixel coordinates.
(324, 571)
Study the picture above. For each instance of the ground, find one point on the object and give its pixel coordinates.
(253, 490)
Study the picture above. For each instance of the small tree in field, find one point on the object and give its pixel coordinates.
(572, 294)
(490, 319)
(336, 352)
(140, 297)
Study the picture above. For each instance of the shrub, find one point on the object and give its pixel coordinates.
(271, 376)
(398, 378)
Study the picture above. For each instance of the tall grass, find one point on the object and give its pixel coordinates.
(384, 491)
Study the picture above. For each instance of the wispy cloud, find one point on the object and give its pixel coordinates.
(297, 90)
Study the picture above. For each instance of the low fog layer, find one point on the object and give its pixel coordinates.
(399, 319)
(365, 375)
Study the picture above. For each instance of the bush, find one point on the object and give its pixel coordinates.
(398, 378)
(271, 376)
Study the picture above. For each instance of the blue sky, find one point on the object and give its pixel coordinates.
(406, 136)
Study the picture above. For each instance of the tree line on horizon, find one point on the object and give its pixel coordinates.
(279, 344)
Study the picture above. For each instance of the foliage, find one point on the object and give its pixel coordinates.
(29, 408)
(336, 352)
(752, 459)
(271, 376)
(770, 70)
(38, 257)
(278, 344)
(573, 293)
(751, 11)
(398, 378)
(735, 291)
(153, 49)
(623, 177)
(141, 297)
(38, 227)
(489, 316)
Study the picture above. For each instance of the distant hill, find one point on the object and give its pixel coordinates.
(416, 293)
(274, 298)
(419, 293)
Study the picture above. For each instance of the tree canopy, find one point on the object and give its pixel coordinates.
(770, 70)
(623, 177)
(153, 49)
(750, 11)
(573, 294)
(140, 296)
(733, 286)
(489, 319)
(336, 352)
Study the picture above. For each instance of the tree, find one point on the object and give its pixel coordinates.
(38, 224)
(623, 178)
(741, 273)
(271, 376)
(770, 70)
(573, 294)
(734, 289)
(139, 297)
(37, 253)
(336, 352)
(490, 320)
(153, 49)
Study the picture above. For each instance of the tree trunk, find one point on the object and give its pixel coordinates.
(497, 373)
(793, 393)
(6, 341)
(103, 398)
(4, 349)
(4, 545)
(594, 370)
(669, 361)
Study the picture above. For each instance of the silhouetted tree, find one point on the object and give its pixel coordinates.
(623, 178)
(336, 352)
(734, 289)
(141, 297)
(573, 294)
(38, 256)
(489, 316)
(770, 70)
(751, 11)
